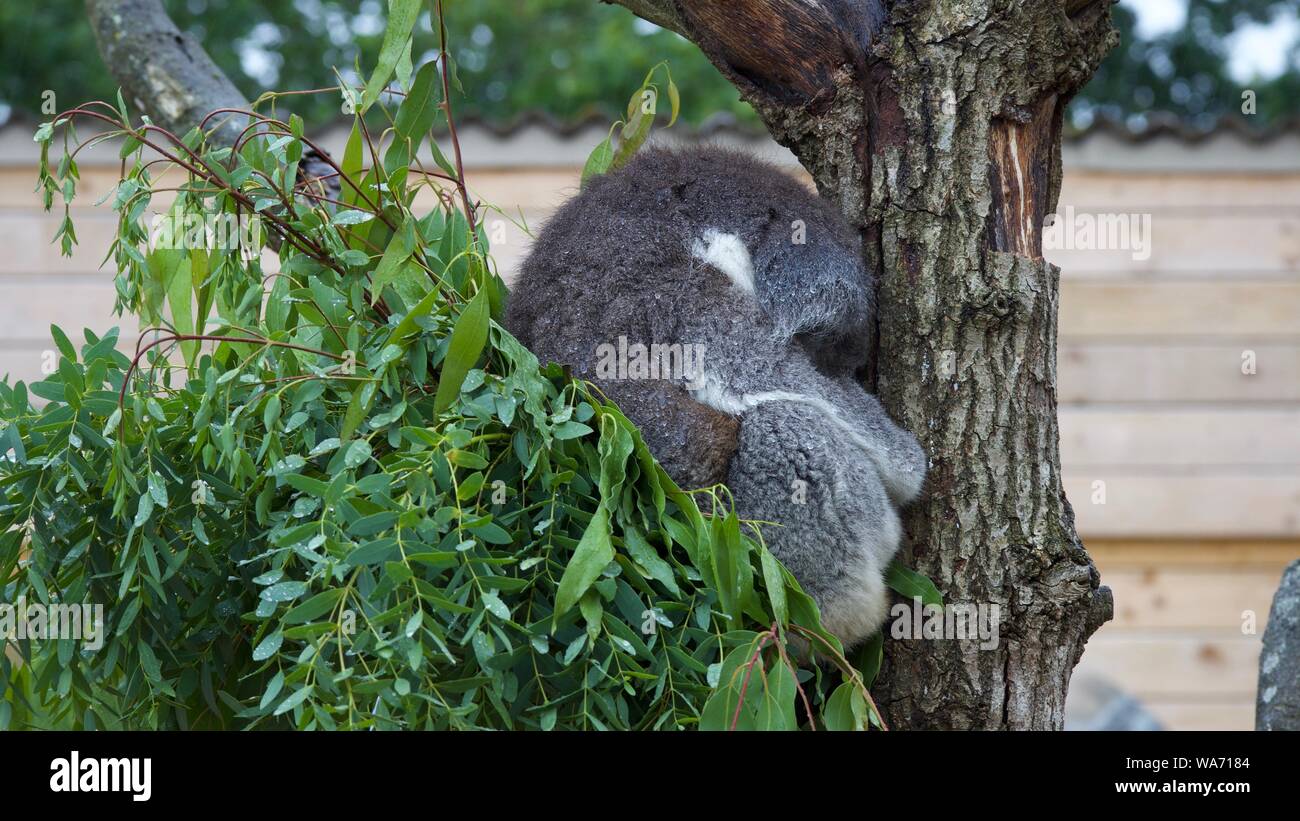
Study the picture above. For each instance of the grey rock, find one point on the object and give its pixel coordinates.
(1097, 704)
(1277, 705)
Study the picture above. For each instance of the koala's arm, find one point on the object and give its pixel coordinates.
(820, 292)
(764, 368)
(898, 455)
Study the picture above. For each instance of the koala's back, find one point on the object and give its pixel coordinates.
(618, 255)
(614, 262)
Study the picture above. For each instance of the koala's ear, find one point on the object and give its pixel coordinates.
(819, 288)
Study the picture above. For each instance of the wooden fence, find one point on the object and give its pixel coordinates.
(1179, 371)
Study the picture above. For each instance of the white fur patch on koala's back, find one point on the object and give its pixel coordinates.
(712, 392)
(709, 391)
(727, 253)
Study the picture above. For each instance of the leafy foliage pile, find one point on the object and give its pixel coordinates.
(340, 495)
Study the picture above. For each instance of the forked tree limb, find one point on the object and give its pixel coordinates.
(782, 52)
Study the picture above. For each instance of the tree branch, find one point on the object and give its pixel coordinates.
(777, 52)
(162, 70)
(167, 74)
(660, 12)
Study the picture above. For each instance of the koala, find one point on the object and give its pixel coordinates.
(712, 249)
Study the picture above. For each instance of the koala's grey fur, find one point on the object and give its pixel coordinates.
(697, 246)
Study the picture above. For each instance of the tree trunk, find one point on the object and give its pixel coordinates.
(1277, 700)
(936, 127)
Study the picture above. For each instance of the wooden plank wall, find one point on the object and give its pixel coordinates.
(1184, 471)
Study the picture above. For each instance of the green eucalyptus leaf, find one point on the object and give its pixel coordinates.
(402, 15)
(467, 341)
(593, 552)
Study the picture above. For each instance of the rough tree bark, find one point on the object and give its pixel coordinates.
(162, 70)
(936, 125)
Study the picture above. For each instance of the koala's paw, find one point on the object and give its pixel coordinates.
(904, 472)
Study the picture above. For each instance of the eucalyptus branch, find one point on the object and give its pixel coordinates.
(175, 337)
(846, 668)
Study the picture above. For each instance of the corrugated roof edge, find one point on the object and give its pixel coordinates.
(1159, 124)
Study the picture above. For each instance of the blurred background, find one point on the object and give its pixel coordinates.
(1179, 352)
